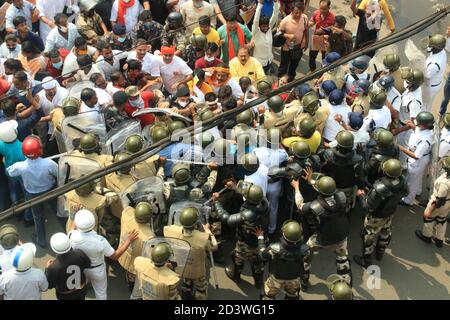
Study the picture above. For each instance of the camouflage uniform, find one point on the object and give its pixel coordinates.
(178, 39)
(151, 34)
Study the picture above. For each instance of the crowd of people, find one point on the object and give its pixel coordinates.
(88, 84)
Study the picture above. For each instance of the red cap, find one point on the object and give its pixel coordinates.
(32, 147)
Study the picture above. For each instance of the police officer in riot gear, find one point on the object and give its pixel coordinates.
(344, 165)
(392, 63)
(286, 261)
(380, 149)
(195, 284)
(381, 203)
(89, 147)
(253, 214)
(332, 224)
(155, 274)
(312, 107)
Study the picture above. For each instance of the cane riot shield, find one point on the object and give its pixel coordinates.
(148, 189)
(77, 87)
(176, 208)
(71, 168)
(74, 127)
(165, 111)
(415, 56)
(117, 136)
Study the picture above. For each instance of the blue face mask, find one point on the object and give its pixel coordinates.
(121, 40)
(57, 65)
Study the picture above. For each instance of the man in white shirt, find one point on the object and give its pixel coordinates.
(90, 101)
(262, 35)
(337, 107)
(62, 36)
(128, 15)
(47, 12)
(174, 71)
(18, 8)
(379, 115)
(221, 77)
(86, 69)
(80, 48)
(10, 49)
(142, 53)
(394, 97)
(109, 60)
(50, 98)
(96, 248)
(444, 141)
(23, 282)
(192, 10)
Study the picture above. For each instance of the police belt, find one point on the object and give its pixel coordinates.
(93, 267)
(72, 291)
(436, 85)
(273, 180)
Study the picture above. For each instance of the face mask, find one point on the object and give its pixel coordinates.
(429, 50)
(121, 40)
(198, 4)
(63, 29)
(12, 49)
(209, 59)
(183, 103)
(57, 65)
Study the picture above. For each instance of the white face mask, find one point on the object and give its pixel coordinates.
(209, 59)
(183, 103)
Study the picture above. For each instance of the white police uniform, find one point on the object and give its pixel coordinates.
(96, 248)
(444, 143)
(23, 285)
(435, 66)
(259, 178)
(395, 98)
(377, 118)
(272, 158)
(411, 106)
(5, 260)
(420, 143)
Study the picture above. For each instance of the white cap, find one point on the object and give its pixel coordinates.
(22, 257)
(49, 83)
(60, 243)
(8, 131)
(84, 220)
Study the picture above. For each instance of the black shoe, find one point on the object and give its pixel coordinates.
(438, 243)
(379, 255)
(420, 235)
(363, 262)
(304, 285)
(258, 282)
(28, 224)
(403, 203)
(232, 273)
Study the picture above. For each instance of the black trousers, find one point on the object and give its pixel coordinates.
(76, 295)
(287, 65)
(312, 59)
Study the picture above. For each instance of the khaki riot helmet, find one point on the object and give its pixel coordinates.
(189, 217)
(377, 97)
(9, 236)
(307, 127)
(276, 104)
(71, 106)
(264, 87)
(89, 143)
(134, 143)
(392, 62)
(292, 231)
(447, 120)
(250, 162)
(87, 5)
(86, 189)
(345, 139)
(325, 186)
(207, 139)
(426, 119)
(392, 168)
(181, 173)
(301, 150)
(176, 125)
(384, 138)
(254, 194)
(273, 136)
(437, 42)
(245, 117)
(120, 157)
(143, 212)
(199, 40)
(161, 253)
(159, 133)
(414, 78)
(311, 102)
(220, 148)
(206, 115)
(446, 163)
(339, 288)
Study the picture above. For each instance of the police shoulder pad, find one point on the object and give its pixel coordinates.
(340, 198)
(248, 215)
(317, 208)
(382, 189)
